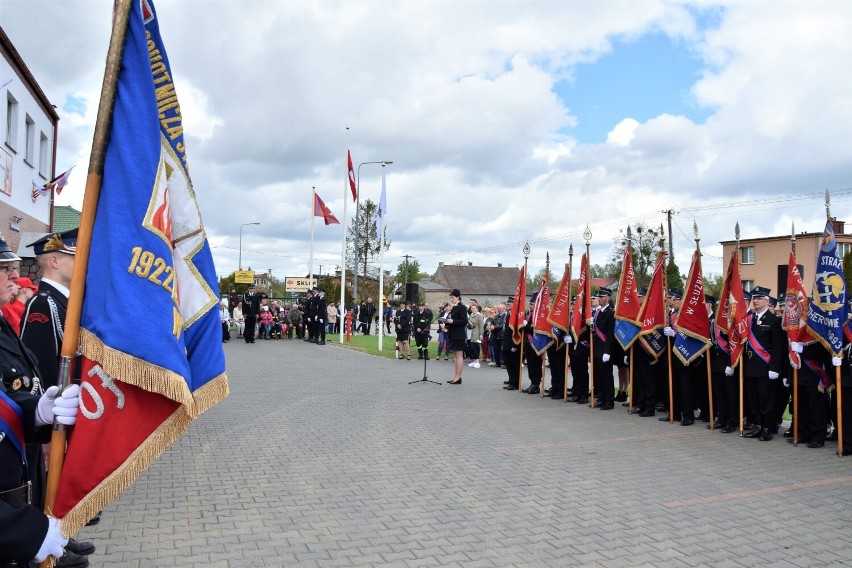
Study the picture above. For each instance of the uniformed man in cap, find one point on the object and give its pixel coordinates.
(603, 334)
(251, 310)
(763, 354)
(422, 329)
(43, 321)
(25, 533)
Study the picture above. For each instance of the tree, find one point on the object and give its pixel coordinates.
(366, 233)
(644, 244)
(674, 279)
(712, 284)
(412, 274)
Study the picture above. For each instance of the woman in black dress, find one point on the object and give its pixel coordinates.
(456, 323)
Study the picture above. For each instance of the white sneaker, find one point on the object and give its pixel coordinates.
(492, 364)
(471, 364)
(475, 365)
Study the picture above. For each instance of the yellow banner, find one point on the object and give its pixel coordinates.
(243, 276)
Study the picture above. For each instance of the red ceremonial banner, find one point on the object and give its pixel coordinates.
(732, 311)
(692, 319)
(796, 304)
(516, 317)
(583, 301)
(627, 307)
(560, 311)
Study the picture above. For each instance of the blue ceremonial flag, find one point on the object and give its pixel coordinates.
(827, 312)
(150, 331)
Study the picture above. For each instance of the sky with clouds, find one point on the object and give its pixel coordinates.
(505, 121)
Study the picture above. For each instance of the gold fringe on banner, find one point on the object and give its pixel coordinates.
(134, 371)
(112, 487)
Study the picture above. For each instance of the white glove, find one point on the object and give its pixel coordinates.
(773, 375)
(53, 541)
(729, 371)
(626, 361)
(568, 339)
(786, 383)
(669, 332)
(44, 410)
(605, 357)
(321, 320)
(524, 324)
(65, 407)
(796, 347)
(836, 361)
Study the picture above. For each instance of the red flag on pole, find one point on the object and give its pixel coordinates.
(583, 301)
(320, 210)
(516, 317)
(560, 310)
(693, 322)
(652, 316)
(796, 306)
(352, 185)
(731, 315)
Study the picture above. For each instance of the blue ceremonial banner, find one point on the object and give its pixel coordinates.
(150, 334)
(626, 332)
(827, 312)
(689, 348)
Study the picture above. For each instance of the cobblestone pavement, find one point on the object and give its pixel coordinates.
(323, 456)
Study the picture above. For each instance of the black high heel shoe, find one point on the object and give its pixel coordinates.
(458, 382)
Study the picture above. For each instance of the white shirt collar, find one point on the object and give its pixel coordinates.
(65, 291)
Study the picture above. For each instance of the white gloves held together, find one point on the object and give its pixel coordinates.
(63, 406)
(53, 541)
(669, 332)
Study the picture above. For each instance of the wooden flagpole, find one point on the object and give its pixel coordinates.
(543, 366)
(740, 362)
(71, 337)
(568, 345)
(669, 322)
(837, 377)
(709, 351)
(630, 365)
(521, 321)
(795, 370)
(587, 236)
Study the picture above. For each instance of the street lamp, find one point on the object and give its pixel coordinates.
(241, 240)
(357, 214)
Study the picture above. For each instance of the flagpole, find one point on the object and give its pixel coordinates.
(382, 268)
(795, 369)
(343, 310)
(707, 357)
(669, 321)
(568, 333)
(94, 178)
(523, 327)
(587, 236)
(630, 364)
(740, 362)
(837, 375)
(313, 216)
(546, 279)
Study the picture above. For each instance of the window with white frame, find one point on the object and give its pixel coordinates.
(746, 255)
(843, 249)
(43, 156)
(29, 142)
(11, 120)
(748, 285)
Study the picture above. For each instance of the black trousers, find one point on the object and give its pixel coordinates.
(760, 395)
(513, 366)
(644, 382)
(421, 340)
(556, 357)
(533, 364)
(604, 390)
(248, 333)
(726, 398)
(813, 414)
(580, 372)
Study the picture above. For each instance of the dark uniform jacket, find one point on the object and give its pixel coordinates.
(816, 365)
(422, 321)
(42, 327)
(22, 528)
(251, 305)
(604, 325)
(456, 330)
(767, 333)
(403, 320)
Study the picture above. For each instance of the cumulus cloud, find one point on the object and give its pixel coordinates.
(463, 101)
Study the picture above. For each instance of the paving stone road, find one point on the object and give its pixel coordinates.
(323, 456)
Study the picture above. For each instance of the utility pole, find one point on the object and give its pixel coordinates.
(669, 213)
(406, 257)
